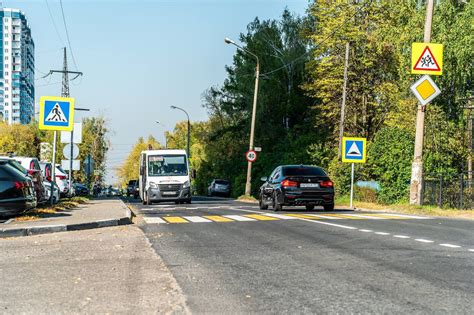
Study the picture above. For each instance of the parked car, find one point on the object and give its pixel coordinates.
(61, 177)
(132, 188)
(17, 193)
(30, 166)
(81, 190)
(219, 187)
(56, 195)
(295, 185)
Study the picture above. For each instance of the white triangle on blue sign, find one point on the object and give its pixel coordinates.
(56, 114)
(354, 151)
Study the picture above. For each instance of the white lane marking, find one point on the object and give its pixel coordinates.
(280, 216)
(382, 233)
(365, 231)
(423, 240)
(307, 220)
(146, 209)
(238, 218)
(450, 245)
(153, 220)
(197, 219)
(324, 216)
(401, 236)
(404, 215)
(363, 216)
(471, 250)
(331, 224)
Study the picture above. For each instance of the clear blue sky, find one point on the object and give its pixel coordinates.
(141, 56)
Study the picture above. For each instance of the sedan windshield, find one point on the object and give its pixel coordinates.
(167, 165)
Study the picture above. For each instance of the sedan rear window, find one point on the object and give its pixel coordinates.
(303, 171)
(222, 182)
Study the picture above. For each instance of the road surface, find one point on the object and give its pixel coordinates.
(231, 257)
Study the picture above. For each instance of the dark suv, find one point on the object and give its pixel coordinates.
(297, 185)
(132, 188)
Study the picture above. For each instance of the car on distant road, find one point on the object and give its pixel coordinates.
(132, 188)
(219, 187)
(297, 185)
(81, 190)
(17, 192)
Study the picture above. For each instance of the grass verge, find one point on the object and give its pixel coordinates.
(48, 211)
(247, 198)
(409, 209)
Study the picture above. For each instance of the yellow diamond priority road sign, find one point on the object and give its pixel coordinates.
(427, 58)
(425, 90)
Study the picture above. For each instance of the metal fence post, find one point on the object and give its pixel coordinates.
(440, 199)
(461, 186)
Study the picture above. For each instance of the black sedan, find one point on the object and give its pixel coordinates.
(16, 191)
(81, 190)
(297, 185)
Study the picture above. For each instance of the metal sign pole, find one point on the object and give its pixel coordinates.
(352, 184)
(70, 163)
(53, 171)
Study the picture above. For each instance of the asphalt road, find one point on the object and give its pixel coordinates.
(230, 257)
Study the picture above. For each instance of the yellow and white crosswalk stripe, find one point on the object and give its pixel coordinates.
(175, 220)
(218, 218)
(276, 217)
(260, 217)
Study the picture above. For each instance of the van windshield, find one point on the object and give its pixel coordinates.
(167, 165)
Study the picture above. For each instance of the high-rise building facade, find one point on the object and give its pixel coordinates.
(17, 91)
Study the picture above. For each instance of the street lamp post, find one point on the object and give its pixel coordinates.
(189, 128)
(248, 184)
(166, 136)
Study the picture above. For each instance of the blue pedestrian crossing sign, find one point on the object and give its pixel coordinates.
(56, 113)
(353, 150)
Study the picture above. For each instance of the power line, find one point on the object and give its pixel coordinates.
(54, 23)
(67, 34)
(309, 51)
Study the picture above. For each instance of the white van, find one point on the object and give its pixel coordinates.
(164, 176)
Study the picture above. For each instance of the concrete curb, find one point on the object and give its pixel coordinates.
(35, 230)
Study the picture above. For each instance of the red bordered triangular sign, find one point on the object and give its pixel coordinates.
(427, 61)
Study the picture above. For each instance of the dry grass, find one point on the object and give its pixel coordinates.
(46, 211)
(247, 198)
(409, 209)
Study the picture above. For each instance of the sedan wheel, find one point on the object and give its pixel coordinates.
(276, 205)
(261, 204)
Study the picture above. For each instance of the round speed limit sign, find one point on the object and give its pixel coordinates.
(251, 156)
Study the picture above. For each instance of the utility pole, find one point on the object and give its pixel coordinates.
(416, 183)
(65, 93)
(343, 105)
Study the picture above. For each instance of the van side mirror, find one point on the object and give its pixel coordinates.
(141, 170)
(193, 174)
(264, 178)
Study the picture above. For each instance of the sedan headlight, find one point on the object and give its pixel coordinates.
(186, 184)
(153, 185)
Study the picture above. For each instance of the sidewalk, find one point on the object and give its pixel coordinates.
(104, 271)
(94, 214)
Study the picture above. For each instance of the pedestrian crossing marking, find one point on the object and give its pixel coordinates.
(277, 217)
(260, 217)
(342, 216)
(218, 218)
(197, 219)
(175, 220)
(239, 218)
(301, 216)
(153, 220)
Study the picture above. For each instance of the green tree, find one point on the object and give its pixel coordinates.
(130, 168)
